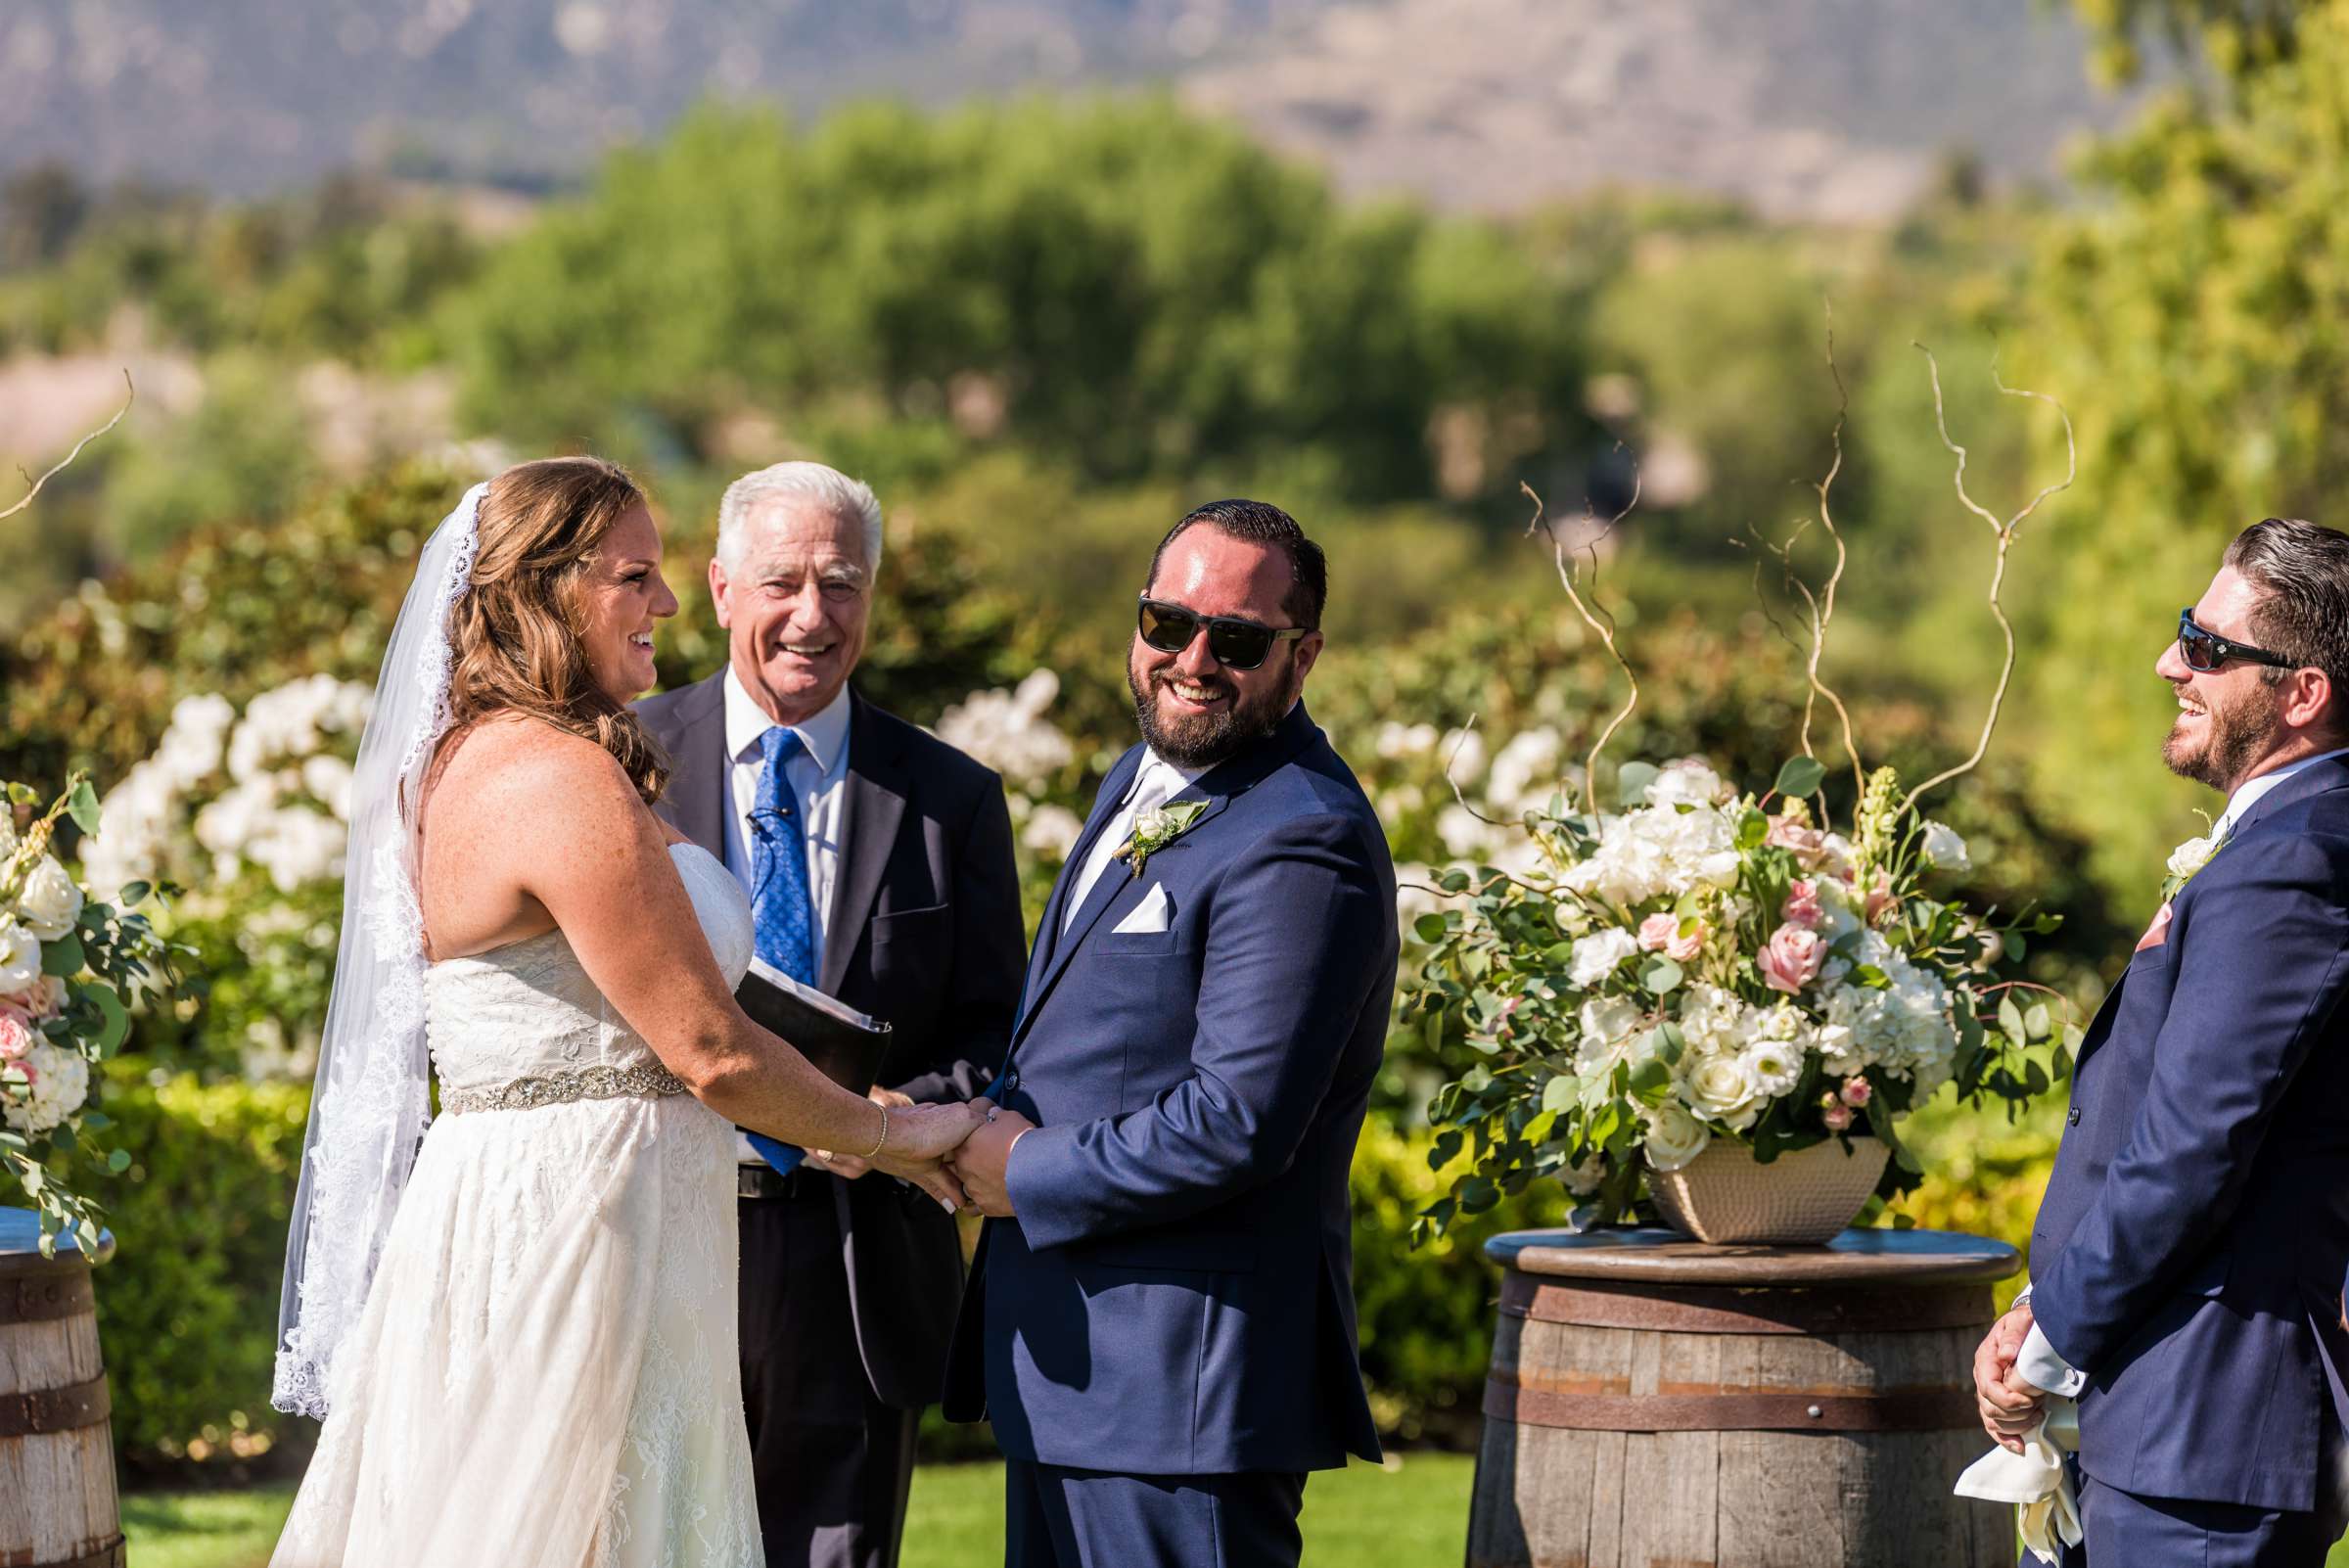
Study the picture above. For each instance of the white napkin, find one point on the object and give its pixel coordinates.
(1146, 916)
(2035, 1481)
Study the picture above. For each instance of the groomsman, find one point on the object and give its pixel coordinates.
(2186, 1263)
(878, 861)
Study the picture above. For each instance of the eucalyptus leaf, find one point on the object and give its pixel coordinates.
(1800, 776)
(83, 805)
(63, 957)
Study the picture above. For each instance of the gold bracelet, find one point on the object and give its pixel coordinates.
(884, 1139)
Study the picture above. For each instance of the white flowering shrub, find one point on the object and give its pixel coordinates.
(248, 815)
(1698, 965)
(70, 967)
(1007, 730)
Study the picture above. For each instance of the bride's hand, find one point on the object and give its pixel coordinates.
(920, 1138)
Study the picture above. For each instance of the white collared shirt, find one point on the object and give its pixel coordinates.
(816, 775)
(1164, 781)
(2038, 1360)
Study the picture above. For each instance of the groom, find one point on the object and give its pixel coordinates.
(1161, 1317)
(2186, 1264)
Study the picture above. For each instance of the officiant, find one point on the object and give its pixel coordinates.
(879, 864)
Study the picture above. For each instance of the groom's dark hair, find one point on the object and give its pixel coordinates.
(2302, 573)
(1263, 523)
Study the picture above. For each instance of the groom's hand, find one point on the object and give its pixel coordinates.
(2008, 1406)
(980, 1162)
(849, 1167)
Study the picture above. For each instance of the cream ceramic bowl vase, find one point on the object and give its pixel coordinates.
(1808, 1195)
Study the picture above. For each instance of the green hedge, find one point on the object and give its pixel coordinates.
(187, 1311)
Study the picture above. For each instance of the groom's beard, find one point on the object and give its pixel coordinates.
(1202, 740)
(2239, 735)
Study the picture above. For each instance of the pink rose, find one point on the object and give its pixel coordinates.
(1661, 933)
(1786, 833)
(1791, 958)
(1857, 1092)
(1837, 1117)
(16, 1036)
(1802, 904)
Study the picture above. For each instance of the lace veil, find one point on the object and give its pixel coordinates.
(368, 1107)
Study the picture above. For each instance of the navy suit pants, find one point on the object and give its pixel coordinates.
(2133, 1532)
(1056, 1517)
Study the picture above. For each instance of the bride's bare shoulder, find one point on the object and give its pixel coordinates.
(523, 776)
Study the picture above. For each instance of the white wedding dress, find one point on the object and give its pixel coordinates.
(545, 1373)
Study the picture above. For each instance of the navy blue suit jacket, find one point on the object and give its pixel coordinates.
(1175, 1295)
(2189, 1254)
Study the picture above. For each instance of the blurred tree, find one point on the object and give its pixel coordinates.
(1117, 285)
(41, 208)
(2235, 37)
(2196, 317)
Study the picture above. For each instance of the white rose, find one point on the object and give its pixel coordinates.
(1943, 847)
(8, 831)
(1596, 955)
(1674, 1137)
(1721, 1089)
(50, 902)
(2191, 857)
(20, 957)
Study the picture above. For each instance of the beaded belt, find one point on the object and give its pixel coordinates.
(563, 1089)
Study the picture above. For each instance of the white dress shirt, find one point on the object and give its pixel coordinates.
(1156, 782)
(2038, 1361)
(817, 774)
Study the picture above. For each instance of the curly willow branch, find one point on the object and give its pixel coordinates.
(2004, 534)
(63, 462)
(1823, 607)
(1605, 629)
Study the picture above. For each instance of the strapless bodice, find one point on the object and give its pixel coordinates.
(529, 1010)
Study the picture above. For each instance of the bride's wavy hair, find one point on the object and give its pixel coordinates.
(514, 634)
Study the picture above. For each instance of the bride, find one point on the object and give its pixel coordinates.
(517, 1319)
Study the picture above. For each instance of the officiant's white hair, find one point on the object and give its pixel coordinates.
(803, 483)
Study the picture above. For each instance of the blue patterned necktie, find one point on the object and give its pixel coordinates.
(782, 912)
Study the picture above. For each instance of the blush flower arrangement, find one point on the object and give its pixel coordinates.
(1624, 987)
(70, 967)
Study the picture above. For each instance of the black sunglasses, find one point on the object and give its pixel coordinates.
(1236, 644)
(2205, 650)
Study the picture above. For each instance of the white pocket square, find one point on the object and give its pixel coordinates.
(1148, 915)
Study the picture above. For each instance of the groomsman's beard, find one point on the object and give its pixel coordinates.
(2236, 737)
(1203, 740)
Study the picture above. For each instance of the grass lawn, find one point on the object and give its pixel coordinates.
(1414, 1515)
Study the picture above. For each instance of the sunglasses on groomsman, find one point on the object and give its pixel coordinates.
(2204, 650)
(1236, 643)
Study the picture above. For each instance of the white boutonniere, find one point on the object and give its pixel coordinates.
(1155, 829)
(2187, 859)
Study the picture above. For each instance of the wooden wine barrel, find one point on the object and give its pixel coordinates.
(1656, 1401)
(57, 1507)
